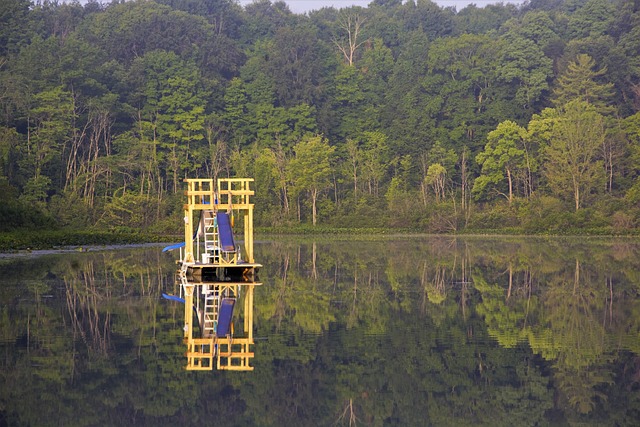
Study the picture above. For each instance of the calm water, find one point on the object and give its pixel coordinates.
(406, 331)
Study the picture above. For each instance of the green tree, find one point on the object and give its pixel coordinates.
(310, 169)
(375, 160)
(9, 143)
(572, 158)
(427, 16)
(170, 117)
(438, 168)
(408, 115)
(295, 62)
(50, 127)
(466, 95)
(592, 19)
(524, 66)
(502, 157)
(183, 122)
(580, 82)
(129, 30)
(13, 25)
(537, 26)
(436, 179)
(480, 20)
(235, 110)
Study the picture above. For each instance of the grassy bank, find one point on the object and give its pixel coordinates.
(49, 239)
(511, 231)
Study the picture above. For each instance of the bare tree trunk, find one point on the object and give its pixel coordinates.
(351, 24)
(77, 140)
(314, 198)
(281, 161)
(509, 178)
(352, 149)
(219, 158)
(463, 183)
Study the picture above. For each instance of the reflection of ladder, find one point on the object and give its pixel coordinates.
(211, 307)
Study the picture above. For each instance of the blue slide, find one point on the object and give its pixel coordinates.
(172, 298)
(224, 316)
(172, 247)
(227, 242)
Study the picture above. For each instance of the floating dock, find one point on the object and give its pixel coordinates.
(217, 275)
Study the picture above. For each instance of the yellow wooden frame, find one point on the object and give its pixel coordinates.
(232, 352)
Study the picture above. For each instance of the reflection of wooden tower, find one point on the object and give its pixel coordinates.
(217, 274)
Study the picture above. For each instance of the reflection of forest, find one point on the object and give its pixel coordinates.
(394, 331)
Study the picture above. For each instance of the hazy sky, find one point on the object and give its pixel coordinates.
(301, 6)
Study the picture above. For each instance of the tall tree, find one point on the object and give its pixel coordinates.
(375, 160)
(573, 165)
(50, 120)
(13, 25)
(467, 98)
(350, 38)
(296, 64)
(310, 169)
(592, 18)
(502, 157)
(170, 116)
(526, 69)
(580, 82)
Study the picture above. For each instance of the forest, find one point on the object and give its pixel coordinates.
(402, 115)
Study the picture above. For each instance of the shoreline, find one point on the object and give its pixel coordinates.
(23, 243)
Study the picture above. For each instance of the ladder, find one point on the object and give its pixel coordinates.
(211, 244)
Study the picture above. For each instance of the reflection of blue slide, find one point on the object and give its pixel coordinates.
(224, 316)
(226, 233)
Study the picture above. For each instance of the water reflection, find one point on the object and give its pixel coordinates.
(394, 331)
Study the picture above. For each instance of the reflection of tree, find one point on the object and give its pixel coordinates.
(573, 307)
(373, 368)
(581, 388)
(506, 319)
(84, 307)
(78, 314)
(358, 340)
(348, 416)
(435, 286)
(569, 314)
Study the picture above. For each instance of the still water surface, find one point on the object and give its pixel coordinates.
(406, 330)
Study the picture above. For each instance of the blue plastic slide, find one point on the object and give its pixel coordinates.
(172, 247)
(172, 298)
(227, 242)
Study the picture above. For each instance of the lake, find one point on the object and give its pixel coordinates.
(375, 331)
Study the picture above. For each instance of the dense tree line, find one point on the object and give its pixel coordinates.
(401, 114)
